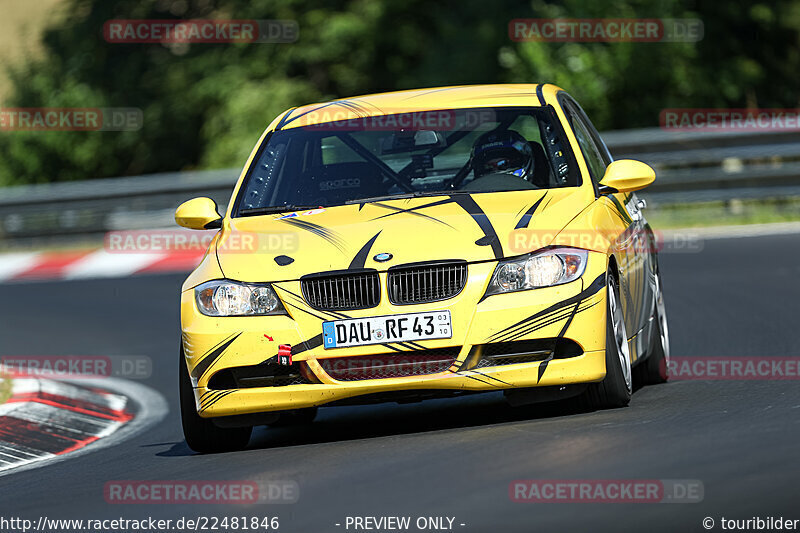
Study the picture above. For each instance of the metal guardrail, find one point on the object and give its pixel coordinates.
(700, 166)
(691, 167)
(60, 212)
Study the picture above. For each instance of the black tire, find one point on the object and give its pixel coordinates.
(655, 369)
(614, 390)
(201, 434)
(295, 417)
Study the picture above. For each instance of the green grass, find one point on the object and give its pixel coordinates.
(736, 212)
(5, 389)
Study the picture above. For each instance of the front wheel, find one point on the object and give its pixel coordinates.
(616, 388)
(201, 434)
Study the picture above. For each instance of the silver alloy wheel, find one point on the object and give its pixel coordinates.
(661, 316)
(620, 335)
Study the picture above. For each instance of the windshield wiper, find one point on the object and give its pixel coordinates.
(398, 196)
(401, 195)
(268, 210)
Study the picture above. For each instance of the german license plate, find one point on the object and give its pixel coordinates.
(384, 329)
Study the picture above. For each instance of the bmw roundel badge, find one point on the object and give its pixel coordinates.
(382, 258)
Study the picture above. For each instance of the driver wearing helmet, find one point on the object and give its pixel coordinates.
(502, 152)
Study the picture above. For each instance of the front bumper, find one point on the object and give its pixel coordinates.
(574, 311)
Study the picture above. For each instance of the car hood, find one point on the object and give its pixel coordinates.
(471, 227)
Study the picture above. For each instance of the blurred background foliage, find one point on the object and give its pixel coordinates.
(205, 105)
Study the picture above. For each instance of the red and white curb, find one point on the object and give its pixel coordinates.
(92, 264)
(44, 419)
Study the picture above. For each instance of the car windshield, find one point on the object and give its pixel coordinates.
(405, 155)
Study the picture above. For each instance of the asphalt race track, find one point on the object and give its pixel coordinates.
(738, 297)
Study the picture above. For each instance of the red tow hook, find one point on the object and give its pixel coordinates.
(285, 354)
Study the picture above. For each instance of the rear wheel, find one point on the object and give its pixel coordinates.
(201, 434)
(615, 389)
(655, 369)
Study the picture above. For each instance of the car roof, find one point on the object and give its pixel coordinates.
(417, 100)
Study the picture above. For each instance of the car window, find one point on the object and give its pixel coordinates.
(591, 152)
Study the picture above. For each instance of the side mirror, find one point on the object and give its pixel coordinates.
(198, 213)
(626, 175)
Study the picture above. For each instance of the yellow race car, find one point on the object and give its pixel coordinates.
(420, 244)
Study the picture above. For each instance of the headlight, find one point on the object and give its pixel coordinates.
(540, 269)
(231, 298)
